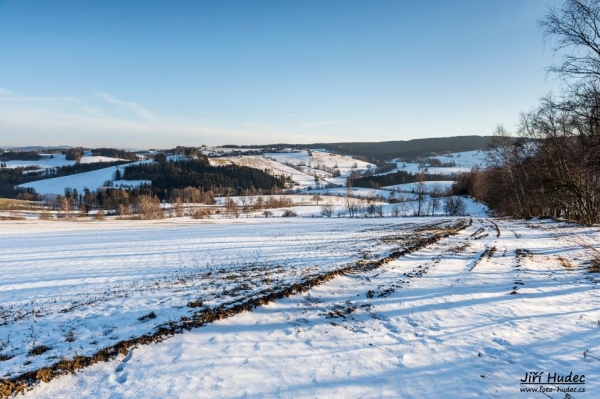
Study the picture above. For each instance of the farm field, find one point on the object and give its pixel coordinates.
(91, 180)
(463, 162)
(411, 307)
(79, 287)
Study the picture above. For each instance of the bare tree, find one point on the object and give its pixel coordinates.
(455, 206)
(420, 193)
(327, 210)
(502, 155)
(64, 205)
(231, 208)
(574, 31)
(178, 208)
(148, 207)
(435, 193)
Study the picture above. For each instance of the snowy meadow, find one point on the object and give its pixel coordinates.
(302, 307)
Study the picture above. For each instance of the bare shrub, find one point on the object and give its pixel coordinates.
(38, 350)
(201, 213)
(148, 207)
(100, 215)
(45, 215)
(327, 210)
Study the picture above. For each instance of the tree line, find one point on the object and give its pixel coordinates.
(115, 153)
(19, 156)
(391, 179)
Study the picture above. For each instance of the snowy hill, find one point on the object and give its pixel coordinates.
(92, 180)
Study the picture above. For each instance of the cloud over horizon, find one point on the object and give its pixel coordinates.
(103, 119)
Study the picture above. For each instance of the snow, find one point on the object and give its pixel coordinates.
(226, 150)
(317, 158)
(96, 159)
(305, 166)
(92, 180)
(466, 317)
(465, 161)
(96, 279)
(275, 168)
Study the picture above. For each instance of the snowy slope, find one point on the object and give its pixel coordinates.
(464, 162)
(276, 168)
(466, 317)
(96, 159)
(343, 163)
(96, 280)
(79, 181)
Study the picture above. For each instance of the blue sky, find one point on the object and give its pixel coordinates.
(157, 74)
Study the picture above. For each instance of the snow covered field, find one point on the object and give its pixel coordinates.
(467, 316)
(92, 180)
(258, 162)
(464, 162)
(317, 159)
(79, 287)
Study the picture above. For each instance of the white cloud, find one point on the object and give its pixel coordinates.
(138, 109)
(104, 120)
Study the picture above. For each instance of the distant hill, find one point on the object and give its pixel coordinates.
(375, 152)
(409, 150)
(38, 148)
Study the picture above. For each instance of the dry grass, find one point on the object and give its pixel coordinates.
(202, 213)
(594, 265)
(590, 246)
(147, 317)
(38, 350)
(12, 218)
(100, 215)
(564, 262)
(18, 205)
(45, 215)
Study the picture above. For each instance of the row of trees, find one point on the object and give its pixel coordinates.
(553, 168)
(19, 156)
(115, 153)
(75, 154)
(391, 179)
(450, 205)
